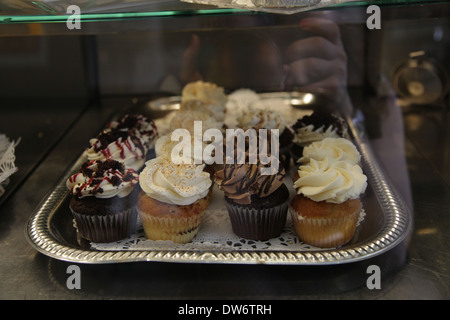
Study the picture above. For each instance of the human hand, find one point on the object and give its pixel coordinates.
(317, 63)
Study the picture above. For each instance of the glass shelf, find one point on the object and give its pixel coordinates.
(53, 11)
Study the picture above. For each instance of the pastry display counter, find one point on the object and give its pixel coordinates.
(109, 68)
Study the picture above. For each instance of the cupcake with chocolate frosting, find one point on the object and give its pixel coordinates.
(257, 203)
(103, 197)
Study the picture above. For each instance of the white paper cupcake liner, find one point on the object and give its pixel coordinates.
(176, 229)
(324, 232)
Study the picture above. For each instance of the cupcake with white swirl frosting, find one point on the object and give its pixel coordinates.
(173, 199)
(333, 149)
(326, 209)
(121, 145)
(103, 198)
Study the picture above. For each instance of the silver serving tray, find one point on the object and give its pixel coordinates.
(387, 223)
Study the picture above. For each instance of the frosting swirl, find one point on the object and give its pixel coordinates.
(318, 126)
(310, 134)
(164, 146)
(262, 119)
(240, 182)
(335, 149)
(139, 125)
(102, 179)
(120, 145)
(334, 182)
(209, 93)
(180, 184)
(185, 120)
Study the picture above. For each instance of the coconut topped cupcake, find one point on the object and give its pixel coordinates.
(209, 94)
(102, 179)
(179, 184)
(173, 199)
(120, 145)
(262, 119)
(186, 119)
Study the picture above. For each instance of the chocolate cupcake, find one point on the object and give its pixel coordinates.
(139, 125)
(124, 146)
(257, 203)
(103, 198)
(315, 127)
(270, 119)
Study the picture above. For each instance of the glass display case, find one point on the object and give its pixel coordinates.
(71, 67)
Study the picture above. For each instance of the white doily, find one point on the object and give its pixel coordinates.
(7, 159)
(215, 234)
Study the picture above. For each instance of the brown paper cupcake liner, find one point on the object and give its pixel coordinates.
(324, 232)
(176, 229)
(257, 224)
(106, 228)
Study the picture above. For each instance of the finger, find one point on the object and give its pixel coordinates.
(189, 62)
(322, 27)
(333, 85)
(315, 46)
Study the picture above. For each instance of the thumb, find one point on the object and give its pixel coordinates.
(189, 62)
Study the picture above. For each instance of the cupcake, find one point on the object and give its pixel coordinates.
(269, 119)
(173, 199)
(315, 127)
(257, 203)
(103, 198)
(327, 207)
(176, 151)
(335, 149)
(211, 96)
(186, 119)
(124, 146)
(139, 125)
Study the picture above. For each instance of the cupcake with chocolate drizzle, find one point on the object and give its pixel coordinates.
(121, 145)
(257, 203)
(139, 125)
(103, 198)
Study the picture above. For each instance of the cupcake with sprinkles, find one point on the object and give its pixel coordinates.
(103, 198)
